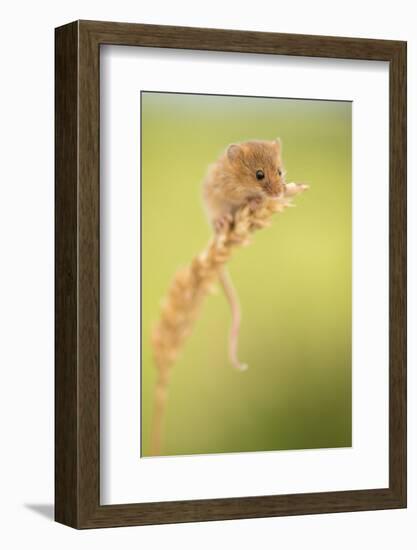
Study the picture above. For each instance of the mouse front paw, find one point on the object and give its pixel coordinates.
(254, 202)
(223, 223)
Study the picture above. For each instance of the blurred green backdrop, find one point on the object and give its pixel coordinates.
(294, 280)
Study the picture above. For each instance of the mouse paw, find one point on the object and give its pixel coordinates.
(254, 202)
(223, 223)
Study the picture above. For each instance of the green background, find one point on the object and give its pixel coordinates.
(293, 280)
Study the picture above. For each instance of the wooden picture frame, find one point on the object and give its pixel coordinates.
(77, 359)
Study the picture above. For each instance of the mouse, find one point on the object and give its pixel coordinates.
(246, 173)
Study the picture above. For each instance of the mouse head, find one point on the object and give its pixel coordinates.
(257, 165)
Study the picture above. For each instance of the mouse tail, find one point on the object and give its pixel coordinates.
(232, 298)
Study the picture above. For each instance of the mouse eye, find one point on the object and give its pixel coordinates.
(260, 175)
(279, 172)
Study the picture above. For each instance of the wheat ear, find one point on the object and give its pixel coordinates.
(190, 285)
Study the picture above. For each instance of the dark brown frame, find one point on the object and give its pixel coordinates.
(77, 358)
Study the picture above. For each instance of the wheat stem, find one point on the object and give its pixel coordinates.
(188, 289)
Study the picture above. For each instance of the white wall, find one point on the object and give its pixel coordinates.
(26, 273)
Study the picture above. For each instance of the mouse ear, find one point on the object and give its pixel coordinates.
(233, 151)
(278, 142)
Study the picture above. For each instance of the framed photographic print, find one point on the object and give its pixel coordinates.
(219, 353)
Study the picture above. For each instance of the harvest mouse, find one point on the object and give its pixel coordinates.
(246, 173)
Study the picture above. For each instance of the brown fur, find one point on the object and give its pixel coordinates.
(231, 181)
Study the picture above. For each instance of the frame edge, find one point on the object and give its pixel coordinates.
(66, 268)
(398, 274)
